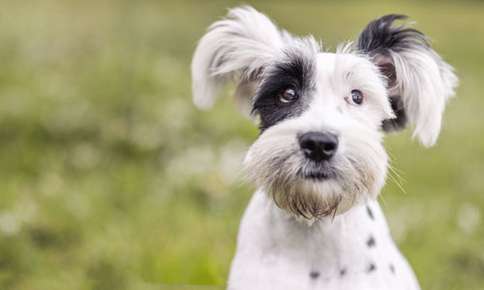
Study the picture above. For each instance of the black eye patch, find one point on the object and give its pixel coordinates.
(295, 73)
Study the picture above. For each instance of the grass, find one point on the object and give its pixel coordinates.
(110, 179)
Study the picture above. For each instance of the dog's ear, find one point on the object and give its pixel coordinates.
(237, 48)
(419, 81)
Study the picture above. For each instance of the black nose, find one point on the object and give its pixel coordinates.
(318, 146)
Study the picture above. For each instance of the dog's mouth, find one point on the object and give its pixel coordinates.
(317, 171)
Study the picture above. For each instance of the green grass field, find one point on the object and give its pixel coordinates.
(111, 179)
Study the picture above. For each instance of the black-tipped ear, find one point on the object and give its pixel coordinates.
(381, 37)
(378, 40)
(419, 81)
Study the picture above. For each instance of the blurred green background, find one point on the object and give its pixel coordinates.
(111, 179)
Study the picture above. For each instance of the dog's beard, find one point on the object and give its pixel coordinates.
(311, 191)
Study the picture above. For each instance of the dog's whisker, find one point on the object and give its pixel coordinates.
(396, 178)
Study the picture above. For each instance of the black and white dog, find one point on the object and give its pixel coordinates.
(319, 162)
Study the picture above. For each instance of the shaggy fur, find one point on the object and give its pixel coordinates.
(389, 77)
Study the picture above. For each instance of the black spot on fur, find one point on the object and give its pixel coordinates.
(342, 272)
(392, 268)
(371, 242)
(296, 72)
(370, 212)
(371, 268)
(379, 39)
(314, 274)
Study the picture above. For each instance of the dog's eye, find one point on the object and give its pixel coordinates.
(288, 96)
(357, 97)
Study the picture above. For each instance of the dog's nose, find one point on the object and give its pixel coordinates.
(318, 146)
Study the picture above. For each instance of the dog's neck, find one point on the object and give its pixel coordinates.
(352, 241)
(353, 250)
(283, 223)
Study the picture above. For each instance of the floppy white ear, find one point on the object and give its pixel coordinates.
(419, 81)
(236, 48)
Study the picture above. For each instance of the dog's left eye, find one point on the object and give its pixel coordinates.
(288, 96)
(357, 97)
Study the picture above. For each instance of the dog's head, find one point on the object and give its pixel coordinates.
(322, 115)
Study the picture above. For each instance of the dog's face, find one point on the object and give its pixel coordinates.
(320, 147)
(322, 115)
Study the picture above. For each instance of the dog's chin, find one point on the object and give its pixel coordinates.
(314, 193)
(308, 190)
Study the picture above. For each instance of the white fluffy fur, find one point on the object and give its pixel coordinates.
(235, 47)
(425, 82)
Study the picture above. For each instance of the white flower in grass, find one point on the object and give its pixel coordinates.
(9, 224)
(468, 218)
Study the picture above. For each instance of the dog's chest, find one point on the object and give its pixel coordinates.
(351, 251)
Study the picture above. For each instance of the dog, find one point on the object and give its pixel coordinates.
(319, 162)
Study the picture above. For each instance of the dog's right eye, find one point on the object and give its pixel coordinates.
(288, 96)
